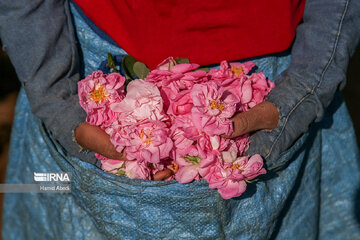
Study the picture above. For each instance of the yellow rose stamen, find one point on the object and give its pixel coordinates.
(98, 94)
(148, 141)
(147, 137)
(142, 134)
(174, 167)
(237, 166)
(215, 104)
(237, 71)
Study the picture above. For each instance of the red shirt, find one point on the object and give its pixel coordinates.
(205, 31)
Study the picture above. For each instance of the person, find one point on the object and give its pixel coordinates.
(309, 192)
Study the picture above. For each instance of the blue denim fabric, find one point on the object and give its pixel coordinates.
(39, 37)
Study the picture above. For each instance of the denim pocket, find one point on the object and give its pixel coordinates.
(140, 209)
(286, 157)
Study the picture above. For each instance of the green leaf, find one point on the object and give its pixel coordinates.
(140, 70)
(121, 173)
(203, 69)
(192, 159)
(122, 165)
(127, 64)
(182, 60)
(111, 63)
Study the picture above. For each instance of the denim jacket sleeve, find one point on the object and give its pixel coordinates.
(39, 38)
(324, 43)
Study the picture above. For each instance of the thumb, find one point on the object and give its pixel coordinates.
(263, 116)
(97, 140)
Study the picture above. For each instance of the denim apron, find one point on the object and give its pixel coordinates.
(315, 196)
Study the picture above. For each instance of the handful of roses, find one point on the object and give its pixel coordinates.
(174, 117)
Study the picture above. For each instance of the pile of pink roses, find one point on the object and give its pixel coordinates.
(175, 118)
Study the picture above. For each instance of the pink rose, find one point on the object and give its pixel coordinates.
(213, 106)
(188, 79)
(185, 124)
(235, 148)
(166, 83)
(110, 165)
(250, 168)
(137, 170)
(167, 64)
(188, 170)
(185, 67)
(98, 89)
(252, 90)
(241, 68)
(182, 104)
(230, 154)
(181, 143)
(96, 92)
(223, 75)
(232, 189)
(196, 161)
(142, 101)
(227, 73)
(147, 141)
(229, 177)
(260, 87)
(192, 167)
(212, 100)
(211, 145)
(242, 143)
(229, 182)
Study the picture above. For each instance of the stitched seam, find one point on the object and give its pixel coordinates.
(286, 120)
(334, 49)
(320, 80)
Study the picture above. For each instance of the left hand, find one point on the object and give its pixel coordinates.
(97, 140)
(264, 116)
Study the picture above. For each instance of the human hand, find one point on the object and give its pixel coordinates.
(97, 140)
(264, 116)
